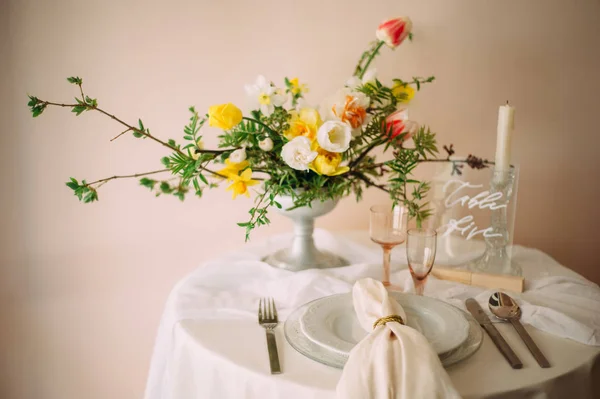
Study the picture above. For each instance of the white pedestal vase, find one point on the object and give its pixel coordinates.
(302, 254)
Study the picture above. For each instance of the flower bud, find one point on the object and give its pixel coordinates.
(393, 31)
(397, 123)
(266, 144)
(238, 156)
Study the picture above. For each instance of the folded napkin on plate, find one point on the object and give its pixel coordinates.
(394, 360)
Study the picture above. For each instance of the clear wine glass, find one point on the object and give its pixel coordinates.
(420, 252)
(388, 229)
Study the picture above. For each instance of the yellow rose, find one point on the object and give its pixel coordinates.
(404, 93)
(304, 123)
(224, 116)
(327, 163)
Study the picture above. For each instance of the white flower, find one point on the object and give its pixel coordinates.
(266, 144)
(334, 136)
(195, 151)
(350, 107)
(369, 77)
(297, 153)
(264, 96)
(238, 155)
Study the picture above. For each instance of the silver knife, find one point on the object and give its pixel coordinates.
(494, 334)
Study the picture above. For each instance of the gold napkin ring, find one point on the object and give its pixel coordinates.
(383, 320)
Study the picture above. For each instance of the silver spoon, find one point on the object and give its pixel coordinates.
(505, 308)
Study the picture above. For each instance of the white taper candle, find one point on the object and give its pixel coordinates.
(506, 124)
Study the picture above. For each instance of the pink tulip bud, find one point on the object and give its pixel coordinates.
(397, 123)
(394, 31)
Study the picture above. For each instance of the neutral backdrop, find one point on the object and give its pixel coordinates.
(82, 286)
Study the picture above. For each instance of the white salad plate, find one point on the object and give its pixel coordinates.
(332, 323)
(296, 337)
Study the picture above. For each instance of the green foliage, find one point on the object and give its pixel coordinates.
(191, 130)
(425, 142)
(84, 104)
(166, 187)
(401, 174)
(75, 80)
(36, 106)
(141, 131)
(417, 81)
(381, 96)
(83, 191)
(150, 183)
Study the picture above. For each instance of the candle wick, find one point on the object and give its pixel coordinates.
(506, 102)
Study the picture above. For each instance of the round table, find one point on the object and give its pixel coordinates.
(210, 345)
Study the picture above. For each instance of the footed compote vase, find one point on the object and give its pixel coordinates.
(302, 253)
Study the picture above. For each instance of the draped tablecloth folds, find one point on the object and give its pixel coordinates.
(209, 344)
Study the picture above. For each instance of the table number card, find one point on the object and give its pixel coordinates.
(464, 206)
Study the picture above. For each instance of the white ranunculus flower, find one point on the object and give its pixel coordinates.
(297, 153)
(238, 155)
(266, 144)
(334, 136)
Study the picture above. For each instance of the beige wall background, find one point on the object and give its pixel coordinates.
(82, 286)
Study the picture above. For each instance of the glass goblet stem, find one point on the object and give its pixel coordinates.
(419, 284)
(387, 255)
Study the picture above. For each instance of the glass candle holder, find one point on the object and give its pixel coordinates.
(497, 258)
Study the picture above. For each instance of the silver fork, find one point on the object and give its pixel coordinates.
(267, 317)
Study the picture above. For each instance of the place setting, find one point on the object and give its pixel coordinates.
(332, 330)
(327, 329)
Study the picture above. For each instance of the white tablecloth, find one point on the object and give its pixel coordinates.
(209, 344)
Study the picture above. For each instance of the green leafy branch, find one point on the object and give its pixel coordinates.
(86, 192)
(258, 213)
(416, 80)
(189, 165)
(401, 175)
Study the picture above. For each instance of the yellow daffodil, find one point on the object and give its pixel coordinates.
(297, 88)
(224, 116)
(304, 123)
(327, 163)
(232, 168)
(241, 183)
(403, 92)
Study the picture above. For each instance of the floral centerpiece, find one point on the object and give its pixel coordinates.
(284, 147)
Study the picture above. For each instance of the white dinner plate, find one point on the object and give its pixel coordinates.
(331, 322)
(300, 342)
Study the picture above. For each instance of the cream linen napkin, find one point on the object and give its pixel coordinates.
(393, 361)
